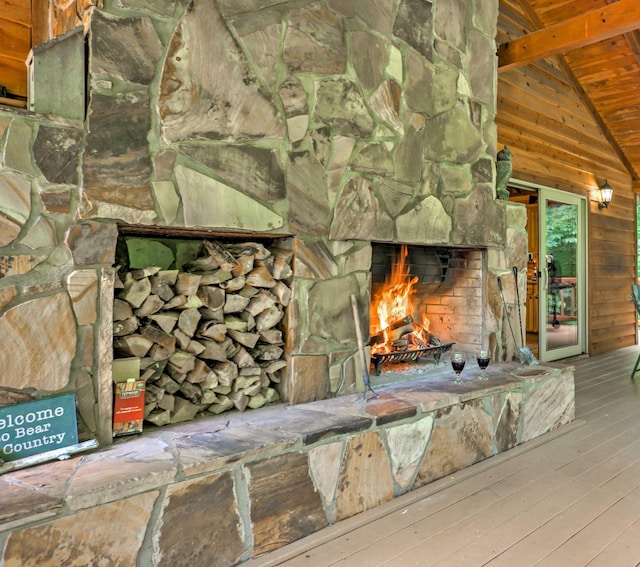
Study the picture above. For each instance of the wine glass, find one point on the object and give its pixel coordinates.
(483, 357)
(457, 363)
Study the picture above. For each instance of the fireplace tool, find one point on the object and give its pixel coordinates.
(525, 356)
(363, 356)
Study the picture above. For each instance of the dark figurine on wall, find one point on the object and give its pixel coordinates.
(503, 173)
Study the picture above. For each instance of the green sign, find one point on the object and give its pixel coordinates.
(36, 427)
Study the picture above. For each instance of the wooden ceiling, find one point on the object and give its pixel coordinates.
(597, 45)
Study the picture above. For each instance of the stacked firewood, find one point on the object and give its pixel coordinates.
(208, 335)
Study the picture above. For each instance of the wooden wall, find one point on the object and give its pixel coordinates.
(25, 23)
(15, 43)
(558, 143)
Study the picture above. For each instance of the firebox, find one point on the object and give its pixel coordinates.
(424, 300)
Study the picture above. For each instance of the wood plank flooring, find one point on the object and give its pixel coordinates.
(569, 498)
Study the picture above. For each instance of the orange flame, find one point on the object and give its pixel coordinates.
(393, 302)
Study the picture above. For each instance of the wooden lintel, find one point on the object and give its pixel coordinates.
(582, 30)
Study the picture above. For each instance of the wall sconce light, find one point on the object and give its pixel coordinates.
(605, 193)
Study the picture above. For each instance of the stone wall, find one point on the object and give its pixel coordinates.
(335, 122)
(214, 493)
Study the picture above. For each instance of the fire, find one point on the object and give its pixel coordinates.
(393, 306)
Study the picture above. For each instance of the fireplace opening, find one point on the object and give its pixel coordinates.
(200, 323)
(423, 301)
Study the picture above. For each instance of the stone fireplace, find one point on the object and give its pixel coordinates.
(339, 125)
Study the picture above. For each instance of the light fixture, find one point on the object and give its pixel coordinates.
(605, 193)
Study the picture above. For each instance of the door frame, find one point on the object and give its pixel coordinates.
(544, 194)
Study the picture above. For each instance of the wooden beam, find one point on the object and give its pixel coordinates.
(584, 29)
(635, 186)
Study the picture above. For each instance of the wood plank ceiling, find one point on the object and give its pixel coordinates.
(597, 44)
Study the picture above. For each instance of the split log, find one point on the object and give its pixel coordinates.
(133, 345)
(188, 321)
(168, 384)
(208, 397)
(255, 249)
(126, 327)
(135, 291)
(199, 373)
(261, 302)
(167, 402)
(184, 410)
(269, 318)
(224, 258)
(211, 296)
(195, 347)
(217, 277)
(187, 284)
(121, 310)
(213, 351)
(272, 336)
(236, 323)
(159, 417)
(235, 303)
(257, 401)
(261, 277)
(176, 302)
(160, 353)
(282, 292)
(244, 265)
(274, 366)
(267, 352)
(223, 404)
(161, 287)
(226, 372)
(243, 358)
(191, 392)
(282, 264)
(245, 339)
(248, 291)
(202, 264)
(240, 400)
(153, 393)
(212, 330)
(159, 337)
(142, 273)
(166, 320)
(234, 284)
(182, 362)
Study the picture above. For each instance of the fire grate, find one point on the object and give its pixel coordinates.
(412, 355)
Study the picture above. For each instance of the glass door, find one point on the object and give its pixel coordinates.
(563, 305)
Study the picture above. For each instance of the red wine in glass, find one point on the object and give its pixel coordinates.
(457, 363)
(483, 357)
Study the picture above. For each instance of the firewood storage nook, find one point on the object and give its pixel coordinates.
(202, 320)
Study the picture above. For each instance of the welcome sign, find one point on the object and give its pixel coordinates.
(36, 427)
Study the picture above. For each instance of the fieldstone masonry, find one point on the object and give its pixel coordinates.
(336, 123)
(216, 492)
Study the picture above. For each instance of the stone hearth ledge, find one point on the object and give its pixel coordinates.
(277, 473)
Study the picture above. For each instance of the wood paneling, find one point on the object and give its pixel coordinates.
(557, 142)
(15, 43)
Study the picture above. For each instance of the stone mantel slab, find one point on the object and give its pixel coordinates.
(420, 427)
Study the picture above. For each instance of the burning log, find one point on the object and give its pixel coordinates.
(400, 324)
(208, 334)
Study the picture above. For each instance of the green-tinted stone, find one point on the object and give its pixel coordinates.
(145, 252)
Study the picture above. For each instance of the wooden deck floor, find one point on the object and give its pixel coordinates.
(569, 498)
